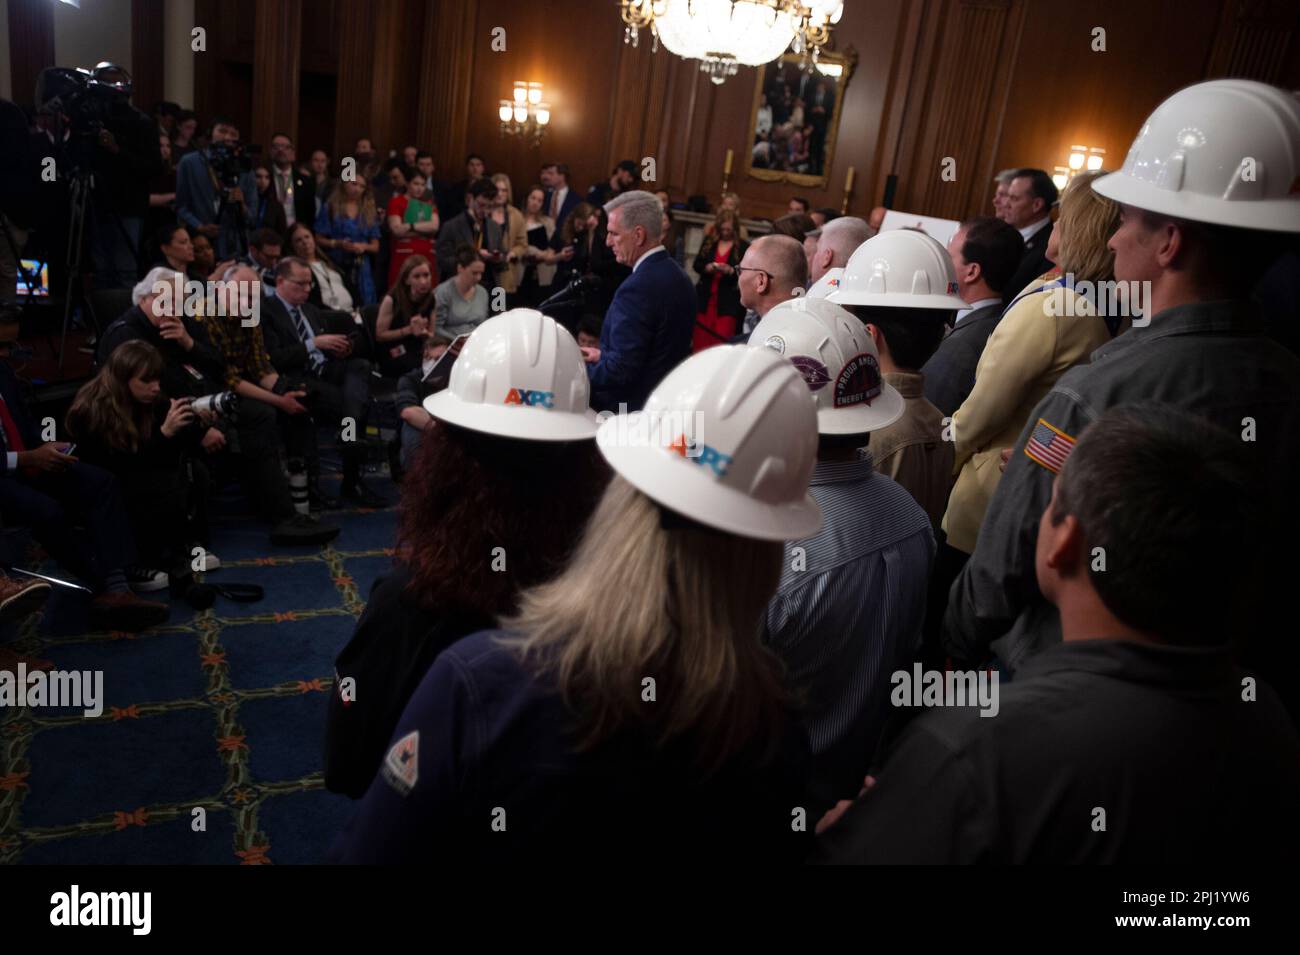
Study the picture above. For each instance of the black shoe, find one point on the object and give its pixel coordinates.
(318, 500)
(126, 611)
(301, 529)
(358, 493)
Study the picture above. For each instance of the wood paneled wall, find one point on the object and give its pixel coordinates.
(988, 83)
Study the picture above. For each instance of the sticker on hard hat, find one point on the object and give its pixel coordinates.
(776, 343)
(952, 288)
(859, 382)
(702, 454)
(522, 396)
(813, 371)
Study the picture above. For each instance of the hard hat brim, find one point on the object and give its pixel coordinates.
(521, 422)
(887, 408)
(680, 485)
(843, 296)
(1263, 215)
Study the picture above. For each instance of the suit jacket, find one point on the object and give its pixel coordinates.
(12, 393)
(460, 230)
(950, 372)
(199, 371)
(647, 332)
(1032, 264)
(571, 199)
(284, 345)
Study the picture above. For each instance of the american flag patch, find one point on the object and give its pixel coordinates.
(1049, 446)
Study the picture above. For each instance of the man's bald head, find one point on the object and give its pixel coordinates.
(839, 239)
(773, 267)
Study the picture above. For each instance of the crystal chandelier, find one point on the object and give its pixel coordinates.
(725, 34)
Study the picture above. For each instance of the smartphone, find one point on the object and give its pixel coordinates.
(440, 374)
(69, 449)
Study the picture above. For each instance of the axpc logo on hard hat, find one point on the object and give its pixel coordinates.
(750, 477)
(838, 362)
(1225, 152)
(899, 269)
(520, 375)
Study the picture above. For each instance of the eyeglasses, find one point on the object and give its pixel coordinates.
(750, 268)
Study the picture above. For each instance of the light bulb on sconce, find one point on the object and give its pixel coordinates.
(1077, 157)
(521, 93)
(521, 114)
(1095, 155)
(534, 93)
(505, 111)
(525, 115)
(1060, 176)
(543, 114)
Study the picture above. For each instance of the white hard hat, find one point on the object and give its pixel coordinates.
(837, 358)
(827, 283)
(728, 439)
(1225, 152)
(900, 268)
(520, 375)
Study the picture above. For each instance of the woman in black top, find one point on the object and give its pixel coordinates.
(121, 423)
(483, 516)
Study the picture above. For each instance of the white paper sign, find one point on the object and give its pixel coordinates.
(941, 230)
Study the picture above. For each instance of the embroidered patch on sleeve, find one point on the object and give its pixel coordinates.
(1049, 446)
(401, 765)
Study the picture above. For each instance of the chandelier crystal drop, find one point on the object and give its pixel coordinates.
(727, 34)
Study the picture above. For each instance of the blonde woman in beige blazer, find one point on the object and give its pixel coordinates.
(510, 221)
(1046, 331)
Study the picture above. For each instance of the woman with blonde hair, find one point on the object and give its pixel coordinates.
(348, 230)
(511, 238)
(717, 290)
(1048, 329)
(630, 702)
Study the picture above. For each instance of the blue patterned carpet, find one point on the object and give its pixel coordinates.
(222, 709)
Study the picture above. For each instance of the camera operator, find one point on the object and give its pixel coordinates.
(125, 162)
(322, 363)
(210, 188)
(263, 393)
(121, 425)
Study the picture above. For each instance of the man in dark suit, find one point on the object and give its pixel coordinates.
(295, 189)
(1028, 208)
(985, 252)
(474, 228)
(322, 363)
(74, 510)
(560, 199)
(648, 327)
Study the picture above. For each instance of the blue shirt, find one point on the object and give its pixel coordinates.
(483, 767)
(848, 612)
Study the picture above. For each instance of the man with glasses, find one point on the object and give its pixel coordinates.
(295, 190)
(772, 268)
(322, 363)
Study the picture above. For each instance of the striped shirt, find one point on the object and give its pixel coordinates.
(848, 612)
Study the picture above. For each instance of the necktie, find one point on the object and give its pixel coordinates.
(13, 438)
(305, 334)
(555, 204)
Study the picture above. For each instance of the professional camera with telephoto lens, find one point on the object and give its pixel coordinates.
(221, 404)
(82, 102)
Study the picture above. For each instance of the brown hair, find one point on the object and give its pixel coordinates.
(403, 304)
(581, 213)
(1087, 222)
(105, 408)
(470, 493)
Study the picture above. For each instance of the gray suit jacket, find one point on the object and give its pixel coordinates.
(950, 372)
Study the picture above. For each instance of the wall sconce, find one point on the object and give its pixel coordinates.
(524, 114)
(1081, 158)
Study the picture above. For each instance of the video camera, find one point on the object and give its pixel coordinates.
(84, 99)
(231, 160)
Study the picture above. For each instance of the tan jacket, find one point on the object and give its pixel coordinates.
(912, 450)
(1040, 337)
(516, 243)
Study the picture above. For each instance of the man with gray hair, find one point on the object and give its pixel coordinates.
(1002, 185)
(773, 267)
(648, 327)
(838, 240)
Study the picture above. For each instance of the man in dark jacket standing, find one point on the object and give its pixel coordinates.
(648, 327)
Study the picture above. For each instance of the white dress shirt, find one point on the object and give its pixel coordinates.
(1030, 230)
(646, 254)
(974, 307)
